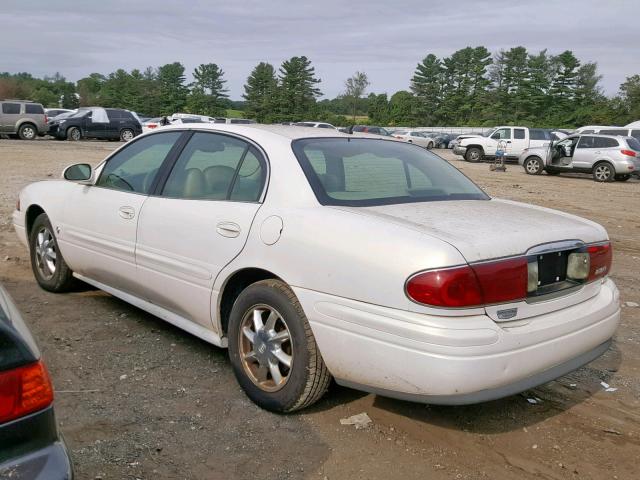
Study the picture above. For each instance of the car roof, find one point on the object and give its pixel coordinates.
(285, 131)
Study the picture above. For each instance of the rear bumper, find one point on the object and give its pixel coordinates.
(49, 463)
(455, 360)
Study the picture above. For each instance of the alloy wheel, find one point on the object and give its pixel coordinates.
(46, 255)
(266, 348)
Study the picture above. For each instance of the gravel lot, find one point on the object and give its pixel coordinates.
(138, 398)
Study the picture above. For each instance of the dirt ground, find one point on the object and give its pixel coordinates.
(138, 398)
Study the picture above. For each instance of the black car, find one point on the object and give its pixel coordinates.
(97, 122)
(30, 445)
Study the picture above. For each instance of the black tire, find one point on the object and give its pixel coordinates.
(622, 178)
(533, 166)
(604, 172)
(61, 279)
(473, 155)
(27, 131)
(126, 134)
(74, 134)
(307, 378)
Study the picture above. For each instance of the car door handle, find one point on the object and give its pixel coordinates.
(228, 229)
(127, 212)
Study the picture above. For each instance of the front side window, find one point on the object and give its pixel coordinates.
(11, 108)
(502, 134)
(134, 168)
(366, 172)
(216, 167)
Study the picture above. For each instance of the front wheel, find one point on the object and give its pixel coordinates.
(603, 172)
(533, 166)
(126, 135)
(473, 155)
(27, 132)
(51, 271)
(273, 352)
(74, 134)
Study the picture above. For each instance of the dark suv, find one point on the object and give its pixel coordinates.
(23, 119)
(30, 445)
(97, 122)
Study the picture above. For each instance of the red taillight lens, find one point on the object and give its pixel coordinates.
(628, 153)
(451, 288)
(469, 286)
(600, 257)
(24, 390)
(503, 281)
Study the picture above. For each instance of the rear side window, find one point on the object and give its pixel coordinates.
(216, 167)
(33, 108)
(604, 142)
(11, 108)
(518, 133)
(539, 134)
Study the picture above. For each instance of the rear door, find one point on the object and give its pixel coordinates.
(199, 222)
(98, 232)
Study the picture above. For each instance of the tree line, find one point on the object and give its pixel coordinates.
(472, 87)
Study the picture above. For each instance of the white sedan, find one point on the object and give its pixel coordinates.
(414, 136)
(313, 254)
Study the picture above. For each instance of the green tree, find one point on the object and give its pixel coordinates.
(260, 92)
(355, 87)
(426, 85)
(172, 88)
(297, 89)
(208, 95)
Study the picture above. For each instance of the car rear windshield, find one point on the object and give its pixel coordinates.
(633, 143)
(366, 172)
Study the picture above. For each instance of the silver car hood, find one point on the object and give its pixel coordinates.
(486, 229)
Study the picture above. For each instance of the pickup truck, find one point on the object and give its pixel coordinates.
(475, 148)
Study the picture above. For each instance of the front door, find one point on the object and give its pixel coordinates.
(98, 232)
(199, 223)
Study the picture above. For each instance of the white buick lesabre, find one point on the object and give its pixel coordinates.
(314, 255)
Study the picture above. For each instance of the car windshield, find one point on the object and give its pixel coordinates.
(367, 172)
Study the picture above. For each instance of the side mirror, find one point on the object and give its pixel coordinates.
(80, 172)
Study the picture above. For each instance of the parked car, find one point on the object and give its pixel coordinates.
(54, 112)
(416, 137)
(97, 122)
(314, 125)
(371, 129)
(423, 287)
(606, 157)
(517, 139)
(30, 444)
(22, 119)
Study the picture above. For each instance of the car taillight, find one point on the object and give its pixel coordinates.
(628, 153)
(24, 390)
(471, 285)
(600, 259)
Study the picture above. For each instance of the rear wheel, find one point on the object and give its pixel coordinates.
(126, 135)
(603, 172)
(27, 131)
(74, 134)
(622, 178)
(272, 349)
(533, 166)
(473, 155)
(49, 268)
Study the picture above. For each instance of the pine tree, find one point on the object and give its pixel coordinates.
(260, 92)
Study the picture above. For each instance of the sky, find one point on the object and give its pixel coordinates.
(384, 39)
